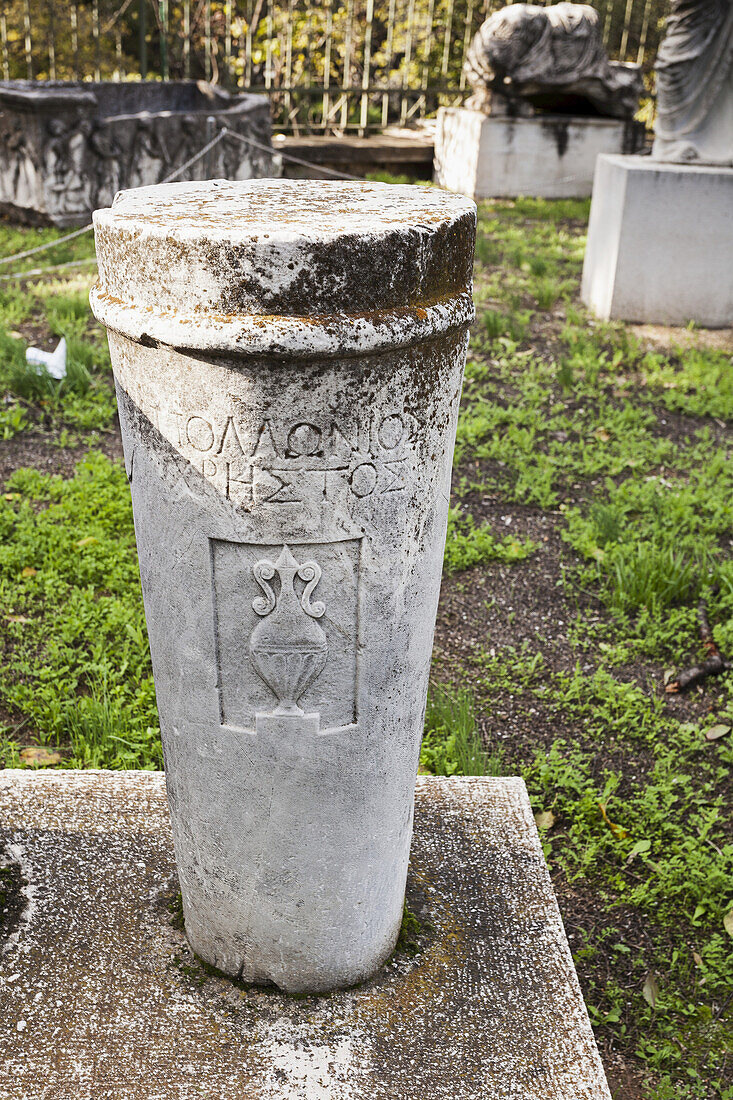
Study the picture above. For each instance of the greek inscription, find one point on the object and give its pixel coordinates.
(271, 488)
(304, 440)
(199, 433)
(391, 432)
(265, 447)
(341, 443)
(274, 463)
(238, 485)
(363, 479)
(396, 472)
(177, 419)
(230, 440)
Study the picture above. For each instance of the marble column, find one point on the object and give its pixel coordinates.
(288, 358)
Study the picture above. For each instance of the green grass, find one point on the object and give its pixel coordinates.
(657, 849)
(15, 239)
(76, 660)
(469, 544)
(451, 744)
(30, 310)
(570, 416)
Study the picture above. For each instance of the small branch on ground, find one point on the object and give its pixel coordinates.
(711, 666)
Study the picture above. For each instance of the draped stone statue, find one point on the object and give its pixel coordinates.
(695, 84)
(526, 57)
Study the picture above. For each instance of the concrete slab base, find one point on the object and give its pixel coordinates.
(660, 243)
(101, 998)
(548, 156)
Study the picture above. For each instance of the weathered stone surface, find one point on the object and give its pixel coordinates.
(694, 66)
(549, 156)
(660, 242)
(102, 999)
(288, 357)
(527, 57)
(67, 148)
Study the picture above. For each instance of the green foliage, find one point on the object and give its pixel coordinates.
(417, 44)
(12, 421)
(580, 428)
(76, 663)
(84, 400)
(468, 545)
(15, 239)
(657, 543)
(644, 830)
(694, 379)
(451, 743)
(572, 416)
(408, 942)
(654, 842)
(496, 324)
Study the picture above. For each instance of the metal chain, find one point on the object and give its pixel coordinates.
(51, 267)
(48, 244)
(288, 156)
(197, 156)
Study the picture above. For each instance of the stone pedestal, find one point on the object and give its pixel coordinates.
(547, 156)
(288, 358)
(660, 243)
(102, 999)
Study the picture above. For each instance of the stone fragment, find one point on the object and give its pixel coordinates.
(526, 58)
(660, 238)
(117, 1007)
(547, 101)
(68, 147)
(288, 358)
(694, 67)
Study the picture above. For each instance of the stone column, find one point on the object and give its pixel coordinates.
(288, 358)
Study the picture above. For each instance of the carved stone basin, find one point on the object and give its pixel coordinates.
(67, 148)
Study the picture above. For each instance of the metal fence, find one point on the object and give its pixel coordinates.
(333, 65)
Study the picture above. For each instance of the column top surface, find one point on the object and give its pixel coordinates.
(285, 267)
(314, 210)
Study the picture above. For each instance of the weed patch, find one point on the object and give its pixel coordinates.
(651, 841)
(468, 544)
(76, 659)
(40, 314)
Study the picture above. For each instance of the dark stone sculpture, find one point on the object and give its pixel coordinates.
(526, 58)
(695, 84)
(67, 148)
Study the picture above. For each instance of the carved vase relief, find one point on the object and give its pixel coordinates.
(286, 620)
(288, 648)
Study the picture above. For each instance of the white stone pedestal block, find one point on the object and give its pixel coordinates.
(288, 358)
(548, 156)
(660, 243)
(101, 997)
